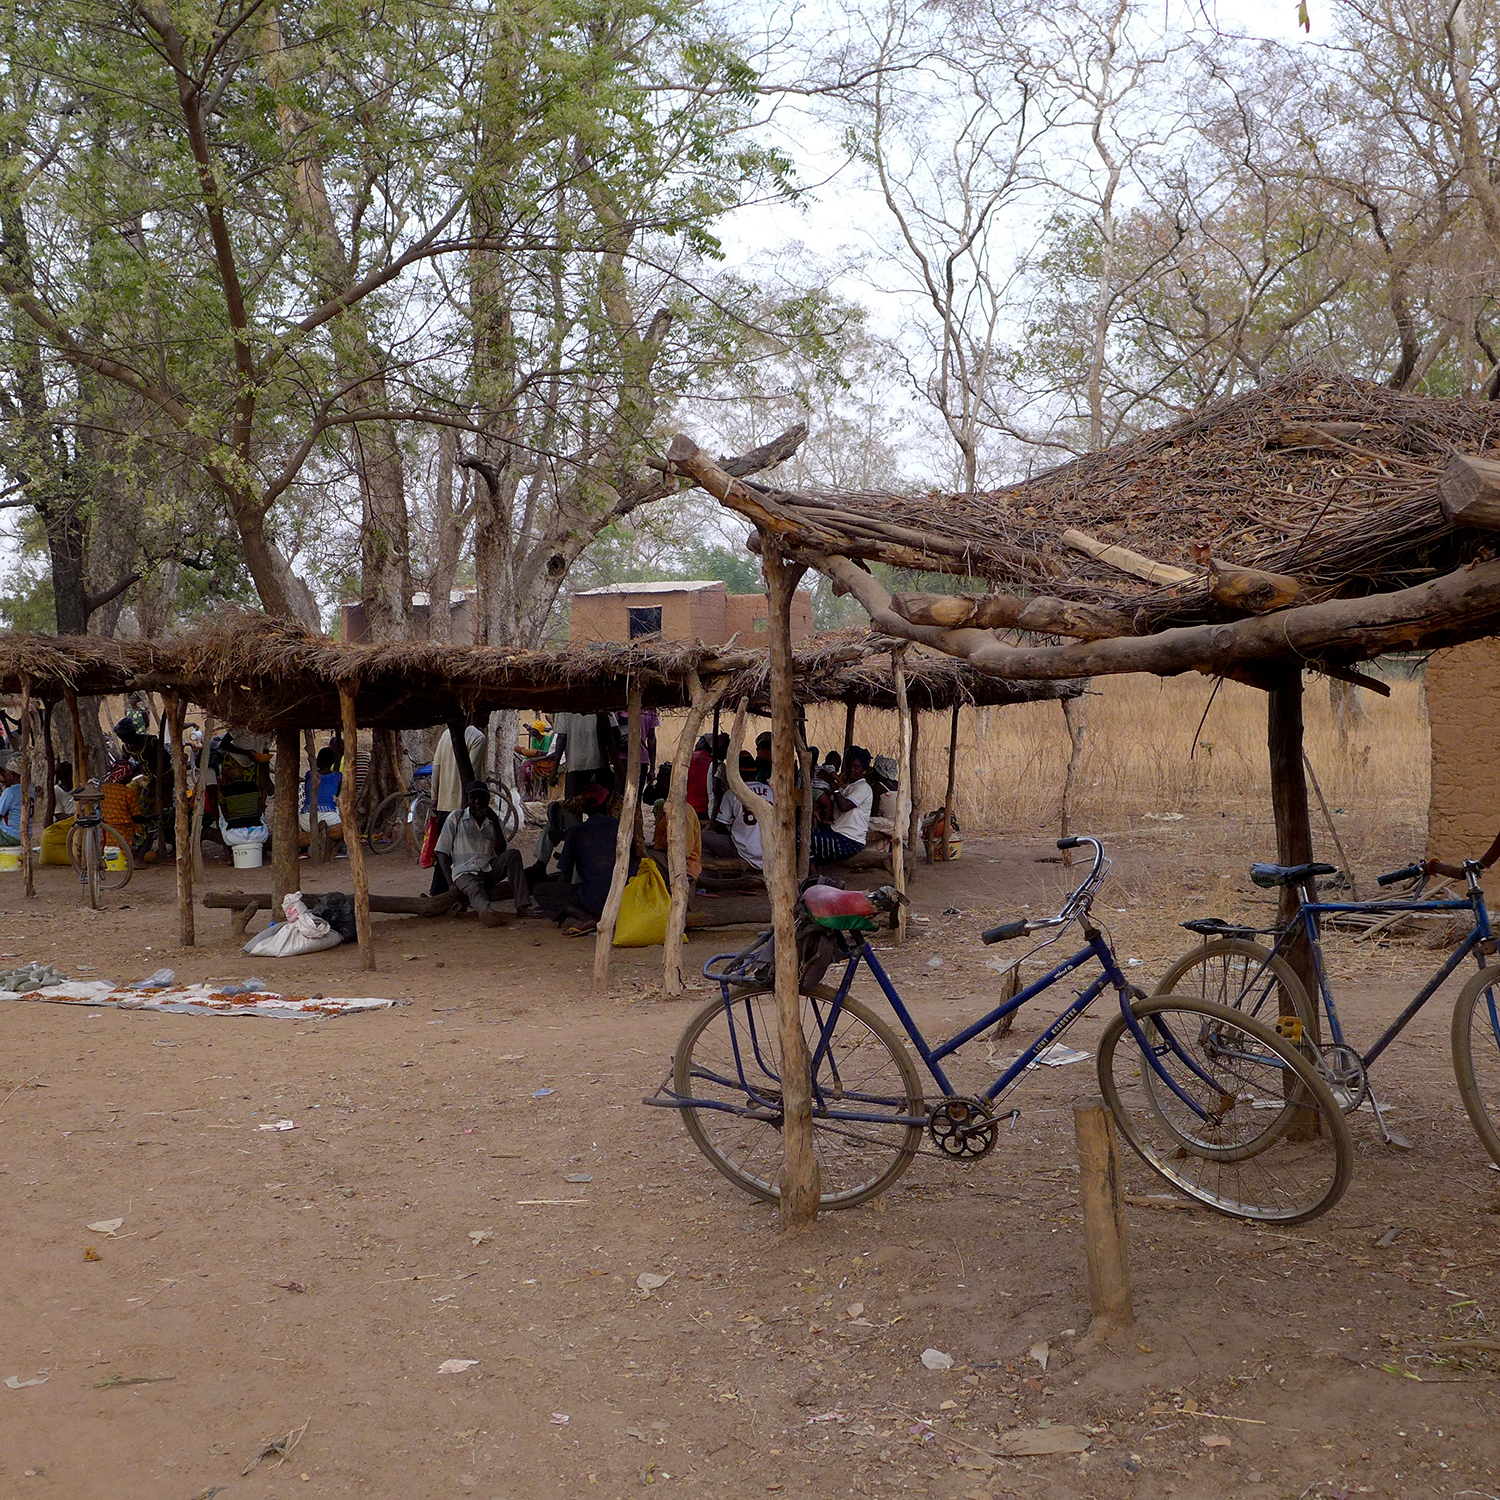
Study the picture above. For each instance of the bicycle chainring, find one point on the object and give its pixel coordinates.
(963, 1128)
(1343, 1070)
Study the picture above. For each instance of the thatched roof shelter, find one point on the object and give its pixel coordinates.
(269, 674)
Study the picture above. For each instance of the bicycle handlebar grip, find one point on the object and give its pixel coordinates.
(1004, 932)
(1068, 843)
(1410, 872)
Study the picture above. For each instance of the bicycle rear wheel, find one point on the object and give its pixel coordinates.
(1242, 974)
(1226, 1111)
(1476, 1055)
(391, 822)
(729, 1061)
(109, 838)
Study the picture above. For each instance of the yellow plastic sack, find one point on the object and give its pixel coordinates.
(644, 909)
(55, 841)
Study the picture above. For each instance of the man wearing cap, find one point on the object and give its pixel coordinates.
(849, 830)
(472, 854)
(10, 803)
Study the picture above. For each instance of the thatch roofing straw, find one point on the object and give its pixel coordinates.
(1331, 479)
(271, 674)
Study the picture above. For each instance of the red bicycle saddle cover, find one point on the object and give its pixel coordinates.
(844, 911)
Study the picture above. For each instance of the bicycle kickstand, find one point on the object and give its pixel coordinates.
(1389, 1136)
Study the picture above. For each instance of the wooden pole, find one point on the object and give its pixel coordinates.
(159, 846)
(49, 765)
(948, 793)
(1103, 1217)
(849, 711)
(80, 749)
(319, 845)
(605, 939)
(805, 807)
(1294, 844)
(1333, 831)
(352, 839)
(284, 833)
(677, 816)
(200, 799)
(182, 815)
(903, 789)
(28, 870)
(800, 1186)
(914, 818)
(1075, 716)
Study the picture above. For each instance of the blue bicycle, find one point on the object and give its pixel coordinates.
(1231, 967)
(1215, 1102)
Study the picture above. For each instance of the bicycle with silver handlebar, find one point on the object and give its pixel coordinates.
(1214, 1102)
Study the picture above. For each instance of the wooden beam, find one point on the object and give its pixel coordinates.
(1251, 591)
(1043, 615)
(1459, 606)
(404, 906)
(1469, 491)
(182, 823)
(1123, 560)
(1324, 434)
(352, 840)
(624, 839)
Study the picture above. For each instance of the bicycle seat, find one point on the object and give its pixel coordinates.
(1268, 876)
(1218, 927)
(840, 911)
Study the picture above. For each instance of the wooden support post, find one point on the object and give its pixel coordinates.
(849, 711)
(604, 941)
(200, 798)
(1103, 1207)
(28, 869)
(1294, 844)
(49, 765)
(183, 822)
(159, 842)
(805, 807)
(677, 816)
(914, 818)
(946, 852)
(800, 1185)
(352, 839)
(284, 833)
(1333, 831)
(903, 789)
(80, 749)
(1075, 716)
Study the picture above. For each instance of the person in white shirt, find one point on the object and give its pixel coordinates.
(578, 740)
(736, 833)
(472, 854)
(448, 786)
(849, 830)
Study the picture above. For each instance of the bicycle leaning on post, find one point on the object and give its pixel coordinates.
(1212, 1100)
(90, 842)
(1232, 967)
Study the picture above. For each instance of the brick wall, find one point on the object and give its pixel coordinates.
(1463, 712)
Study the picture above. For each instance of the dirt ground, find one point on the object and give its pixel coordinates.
(473, 1177)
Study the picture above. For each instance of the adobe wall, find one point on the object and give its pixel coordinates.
(597, 617)
(686, 615)
(1463, 712)
(745, 615)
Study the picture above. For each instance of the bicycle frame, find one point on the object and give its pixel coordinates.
(824, 1106)
(1305, 924)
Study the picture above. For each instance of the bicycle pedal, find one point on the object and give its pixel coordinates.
(1289, 1028)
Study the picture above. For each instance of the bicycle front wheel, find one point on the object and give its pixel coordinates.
(1226, 1111)
(109, 839)
(1476, 1055)
(866, 1096)
(390, 823)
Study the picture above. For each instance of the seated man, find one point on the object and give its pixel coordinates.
(328, 782)
(472, 854)
(10, 803)
(691, 826)
(737, 833)
(848, 830)
(585, 865)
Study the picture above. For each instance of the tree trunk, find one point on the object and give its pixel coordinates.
(677, 815)
(176, 715)
(800, 1185)
(604, 942)
(946, 850)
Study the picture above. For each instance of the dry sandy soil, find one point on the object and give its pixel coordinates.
(313, 1281)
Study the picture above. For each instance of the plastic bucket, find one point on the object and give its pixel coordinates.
(114, 857)
(246, 856)
(10, 859)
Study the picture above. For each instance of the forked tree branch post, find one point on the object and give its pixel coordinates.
(624, 838)
(28, 872)
(182, 822)
(701, 699)
(800, 1185)
(900, 829)
(352, 840)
